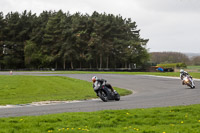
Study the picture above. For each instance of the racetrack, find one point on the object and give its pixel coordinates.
(148, 91)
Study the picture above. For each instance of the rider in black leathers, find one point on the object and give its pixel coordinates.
(98, 82)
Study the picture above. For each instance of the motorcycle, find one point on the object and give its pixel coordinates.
(187, 80)
(105, 94)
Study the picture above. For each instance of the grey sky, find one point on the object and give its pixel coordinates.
(170, 25)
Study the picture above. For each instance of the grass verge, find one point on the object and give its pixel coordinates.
(17, 89)
(180, 119)
(172, 74)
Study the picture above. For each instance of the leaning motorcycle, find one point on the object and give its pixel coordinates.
(106, 94)
(187, 80)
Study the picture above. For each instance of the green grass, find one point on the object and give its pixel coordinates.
(180, 119)
(27, 89)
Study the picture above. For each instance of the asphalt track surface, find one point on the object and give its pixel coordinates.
(148, 91)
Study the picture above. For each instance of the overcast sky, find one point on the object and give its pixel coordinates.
(170, 25)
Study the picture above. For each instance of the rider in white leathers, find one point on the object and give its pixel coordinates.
(184, 74)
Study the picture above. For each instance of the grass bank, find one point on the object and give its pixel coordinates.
(180, 119)
(17, 89)
(173, 74)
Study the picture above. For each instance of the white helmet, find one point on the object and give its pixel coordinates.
(94, 78)
(181, 71)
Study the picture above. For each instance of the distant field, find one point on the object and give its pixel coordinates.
(194, 68)
(17, 89)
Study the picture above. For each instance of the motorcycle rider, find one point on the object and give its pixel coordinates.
(98, 82)
(184, 74)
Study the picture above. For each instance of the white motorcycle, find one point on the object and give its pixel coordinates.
(187, 80)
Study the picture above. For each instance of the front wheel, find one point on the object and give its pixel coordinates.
(103, 96)
(117, 97)
(192, 86)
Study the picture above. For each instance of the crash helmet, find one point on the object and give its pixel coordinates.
(94, 78)
(181, 71)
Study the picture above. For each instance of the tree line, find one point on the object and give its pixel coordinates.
(173, 57)
(59, 40)
(196, 61)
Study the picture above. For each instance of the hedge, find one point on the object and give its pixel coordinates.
(173, 65)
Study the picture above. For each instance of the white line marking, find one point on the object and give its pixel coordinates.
(42, 103)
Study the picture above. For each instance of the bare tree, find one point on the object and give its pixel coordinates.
(196, 60)
(168, 57)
